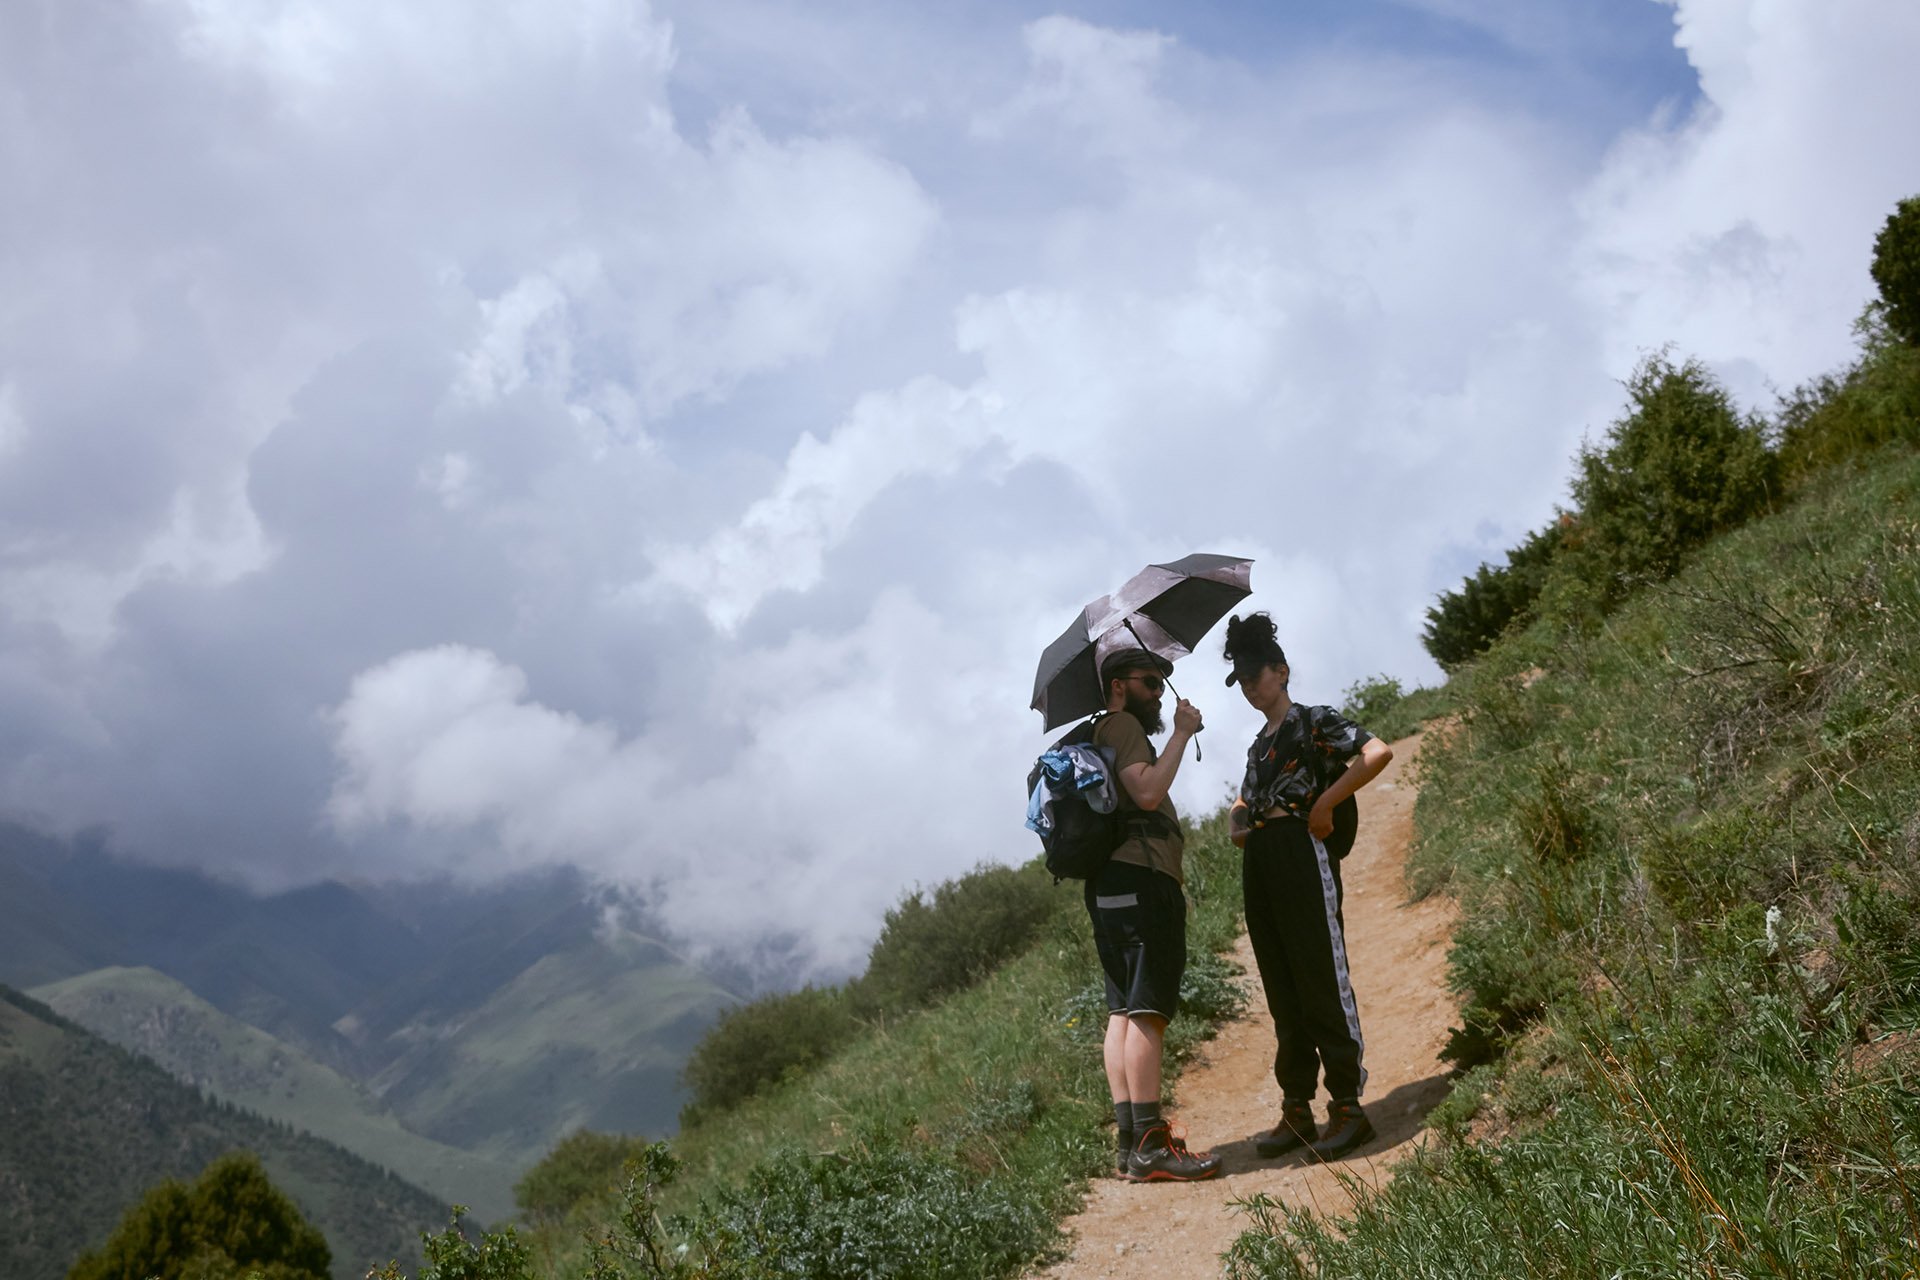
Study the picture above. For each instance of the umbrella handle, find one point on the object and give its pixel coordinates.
(1196, 737)
(1128, 624)
(1197, 732)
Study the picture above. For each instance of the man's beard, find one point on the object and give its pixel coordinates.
(1147, 712)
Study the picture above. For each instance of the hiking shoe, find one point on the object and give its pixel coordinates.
(1295, 1130)
(1120, 1159)
(1347, 1128)
(1161, 1156)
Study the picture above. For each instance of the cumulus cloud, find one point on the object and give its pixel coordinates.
(1742, 232)
(779, 543)
(720, 831)
(662, 438)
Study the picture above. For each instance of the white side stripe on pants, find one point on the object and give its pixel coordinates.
(1331, 896)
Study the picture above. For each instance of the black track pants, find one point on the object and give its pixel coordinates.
(1292, 887)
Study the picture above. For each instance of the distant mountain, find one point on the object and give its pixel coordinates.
(483, 942)
(45, 931)
(592, 1036)
(291, 964)
(86, 1128)
(159, 1018)
(491, 1018)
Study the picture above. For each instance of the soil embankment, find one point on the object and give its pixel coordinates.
(1397, 951)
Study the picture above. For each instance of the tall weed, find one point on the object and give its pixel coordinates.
(941, 1140)
(1687, 858)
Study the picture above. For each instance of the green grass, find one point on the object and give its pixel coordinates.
(1382, 708)
(995, 1096)
(148, 1013)
(1685, 846)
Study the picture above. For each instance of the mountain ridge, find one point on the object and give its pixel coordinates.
(159, 1018)
(87, 1127)
(493, 1019)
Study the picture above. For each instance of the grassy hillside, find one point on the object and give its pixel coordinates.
(86, 1128)
(942, 1142)
(150, 1014)
(1684, 839)
(590, 1037)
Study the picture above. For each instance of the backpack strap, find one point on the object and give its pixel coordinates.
(1310, 750)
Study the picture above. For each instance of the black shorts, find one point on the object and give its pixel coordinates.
(1140, 930)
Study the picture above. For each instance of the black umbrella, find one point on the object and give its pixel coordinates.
(1166, 609)
(1184, 599)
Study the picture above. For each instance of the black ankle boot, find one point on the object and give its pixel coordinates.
(1295, 1130)
(1347, 1128)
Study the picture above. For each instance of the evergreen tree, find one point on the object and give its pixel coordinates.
(231, 1223)
(1463, 623)
(1680, 467)
(1896, 269)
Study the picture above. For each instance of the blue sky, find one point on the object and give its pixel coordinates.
(470, 436)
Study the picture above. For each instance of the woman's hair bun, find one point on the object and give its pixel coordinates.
(1252, 641)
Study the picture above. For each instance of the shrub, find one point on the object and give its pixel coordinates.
(1896, 269)
(872, 1211)
(230, 1223)
(875, 1210)
(1680, 467)
(1874, 403)
(1462, 623)
(757, 1044)
(496, 1255)
(582, 1168)
(1379, 705)
(930, 947)
(1685, 847)
(1878, 933)
(1370, 701)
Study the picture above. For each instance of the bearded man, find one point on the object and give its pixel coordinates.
(1139, 914)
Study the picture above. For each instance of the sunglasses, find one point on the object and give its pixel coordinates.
(1154, 683)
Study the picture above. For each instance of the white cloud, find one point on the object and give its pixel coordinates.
(318, 52)
(840, 776)
(927, 428)
(1743, 233)
(13, 428)
(630, 441)
(1098, 81)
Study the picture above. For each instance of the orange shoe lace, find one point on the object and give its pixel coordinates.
(1177, 1143)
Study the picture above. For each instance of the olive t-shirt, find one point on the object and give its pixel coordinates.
(1161, 844)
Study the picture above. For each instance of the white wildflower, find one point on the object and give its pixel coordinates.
(1773, 927)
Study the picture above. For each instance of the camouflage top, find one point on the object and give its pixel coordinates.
(1289, 767)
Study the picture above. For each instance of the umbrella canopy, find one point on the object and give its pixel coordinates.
(1166, 608)
(1184, 599)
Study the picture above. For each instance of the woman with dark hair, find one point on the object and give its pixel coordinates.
(1295, 818)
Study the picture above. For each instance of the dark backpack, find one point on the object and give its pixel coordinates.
(1346, 814)
(1081, 840)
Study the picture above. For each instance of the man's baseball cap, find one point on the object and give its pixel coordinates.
(1121, 661)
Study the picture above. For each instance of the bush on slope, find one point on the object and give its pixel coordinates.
(1685, 848)
(944, 1141)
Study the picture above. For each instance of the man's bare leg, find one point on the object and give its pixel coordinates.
(1158, 1155)
(1145, 1035)
(1114, 1053)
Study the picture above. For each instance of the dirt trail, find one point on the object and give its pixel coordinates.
(1398, 957)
